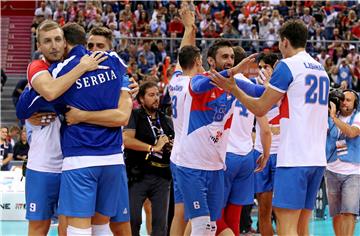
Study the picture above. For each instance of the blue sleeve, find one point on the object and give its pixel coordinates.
(201, 83)
(125, 82)
(253, 90)
(281, 78)
(30, 102)
(121, 65)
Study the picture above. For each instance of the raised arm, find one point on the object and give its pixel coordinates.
(188, 20)
(51, 88)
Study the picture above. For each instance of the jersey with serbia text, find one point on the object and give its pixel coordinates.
(85, 145)
(178, 86)
(273, 116)
(303, 110)
(240, 139)
(45, 151)
(208, 114)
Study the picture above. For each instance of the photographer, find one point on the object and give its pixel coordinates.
(147, 140)
(343, 170)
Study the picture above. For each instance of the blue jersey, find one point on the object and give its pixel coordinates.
(85, 145)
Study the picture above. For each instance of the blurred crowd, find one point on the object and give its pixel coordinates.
(251, 24)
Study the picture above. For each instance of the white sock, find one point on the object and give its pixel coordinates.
(103, 230)
(213, 227)
(201, 226)
(73, 231)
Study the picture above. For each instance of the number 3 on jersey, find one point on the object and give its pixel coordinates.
(174, 103)
(318, 91)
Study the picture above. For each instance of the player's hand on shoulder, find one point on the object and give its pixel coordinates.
(93, 61)
(220, 81)
(42, 119)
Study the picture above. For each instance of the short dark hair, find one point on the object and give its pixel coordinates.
(296, 32)
(143, 87)
(102, 31)
(268, 58)
(74, 34)
(239, 54)
(216, 45)
(187, 56)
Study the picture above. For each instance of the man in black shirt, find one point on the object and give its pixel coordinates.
(148, 141)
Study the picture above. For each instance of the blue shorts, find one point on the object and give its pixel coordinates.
(178, 196)
(239, 179)
(88, 190)
(42, 194)
(123, 213)
(264, 180)
(203, 192)
(296, 187)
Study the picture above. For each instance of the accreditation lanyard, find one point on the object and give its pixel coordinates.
(153, 127)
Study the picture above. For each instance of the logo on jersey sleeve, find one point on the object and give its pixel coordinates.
(209, 107)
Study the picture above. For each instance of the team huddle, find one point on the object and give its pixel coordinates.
(76, 160)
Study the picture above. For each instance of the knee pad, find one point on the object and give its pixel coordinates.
(72, 231)
(101, 230)
(201, 226)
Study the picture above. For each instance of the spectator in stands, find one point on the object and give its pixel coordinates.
(283, 8)
(175, 26)
(43, 10)
(329, 20)
(138, 11)
(344, 74)
(149, 55)
(318, 40)
(158, 26)
(6, 150)
(72, 10)
(271, 38)
(60, 12)
(96, 22)
(141, 23)
(36, 22)
(127, 12)
(19, 88)
(322, 57)
(276, 19)
(21, 148)
(306, 17)
(160, 53)
(356, 30)
(3, 79)
(116, 34)
(342, 173)
(264, 27)
(14, 135)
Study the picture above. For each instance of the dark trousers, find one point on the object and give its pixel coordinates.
(157, 190)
